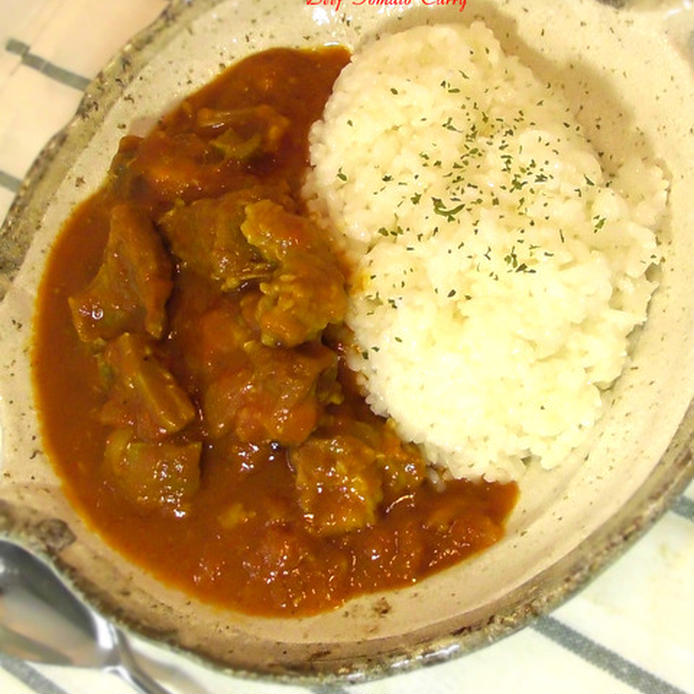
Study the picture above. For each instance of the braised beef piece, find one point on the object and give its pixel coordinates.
(277, 395)
(243, 133)
(154, 475)
(206, 236)
(143, 395)
(130, 290)
(306, 291)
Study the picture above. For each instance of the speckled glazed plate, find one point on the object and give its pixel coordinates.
(631, 68)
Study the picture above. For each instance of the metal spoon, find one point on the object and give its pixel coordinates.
(42, 621)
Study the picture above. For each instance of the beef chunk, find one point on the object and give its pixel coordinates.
(206, 236)
(306, 290)
(210, 340)
(245, 133)
(338, 483)
(130, 290)
(161, 475)
(143, 394)
(278, 396)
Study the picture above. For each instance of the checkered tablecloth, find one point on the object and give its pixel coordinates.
(631, 630)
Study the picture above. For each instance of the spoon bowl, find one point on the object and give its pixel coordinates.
(42, 621)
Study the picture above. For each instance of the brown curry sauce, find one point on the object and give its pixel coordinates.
(282, 519)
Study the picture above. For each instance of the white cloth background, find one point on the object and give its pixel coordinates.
(631, 630)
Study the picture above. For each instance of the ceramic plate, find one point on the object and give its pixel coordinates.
(629, 67)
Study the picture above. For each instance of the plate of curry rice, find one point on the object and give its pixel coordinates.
(339, 342)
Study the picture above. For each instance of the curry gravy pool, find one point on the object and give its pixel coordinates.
(189, 369)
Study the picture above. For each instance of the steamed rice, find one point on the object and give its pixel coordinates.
(497, 269)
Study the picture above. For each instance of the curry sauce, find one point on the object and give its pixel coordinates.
(189, 373)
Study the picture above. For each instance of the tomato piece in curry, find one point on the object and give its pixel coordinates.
(189, 376)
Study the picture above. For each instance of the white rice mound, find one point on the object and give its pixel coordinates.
(499, 269)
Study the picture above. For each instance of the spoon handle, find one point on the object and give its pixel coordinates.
(128, 668)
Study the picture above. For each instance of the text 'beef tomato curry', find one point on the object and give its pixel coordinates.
(188, 370)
